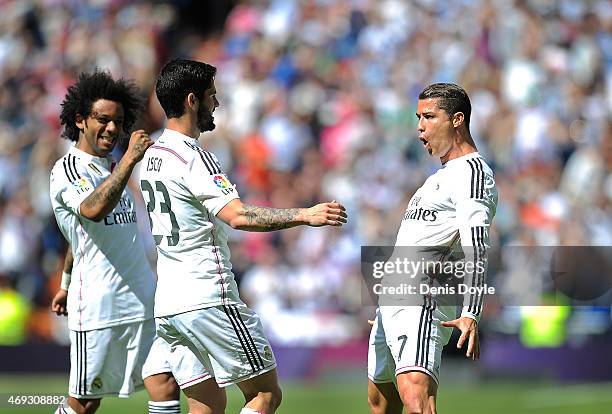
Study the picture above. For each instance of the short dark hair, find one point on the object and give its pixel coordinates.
(452, 99)
(177, 79)
(91, 87)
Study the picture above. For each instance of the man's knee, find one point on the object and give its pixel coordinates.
(271, 398)
(82, 406)
(162, 387)
(415, 388)
(383, 398)
(376, 403)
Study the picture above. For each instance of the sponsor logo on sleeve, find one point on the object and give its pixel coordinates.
(82, 185)
(221, 181)
(224, 184)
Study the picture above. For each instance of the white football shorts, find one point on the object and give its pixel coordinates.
(408, 338)
(189, 368)
(228, 340)
(113, 361)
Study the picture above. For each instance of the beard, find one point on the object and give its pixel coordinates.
(206, 121)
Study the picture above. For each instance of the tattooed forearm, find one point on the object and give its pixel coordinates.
(270, 219)
(105, 197)
(68, 260)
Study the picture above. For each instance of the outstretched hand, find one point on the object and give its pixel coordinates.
(469, 329)
(326, 214)
(58, 305)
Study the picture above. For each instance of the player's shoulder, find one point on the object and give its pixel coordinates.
(470, 165)
(69, 168)
(205, 158)
(471, 176)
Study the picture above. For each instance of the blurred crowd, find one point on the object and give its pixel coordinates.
(317, 102)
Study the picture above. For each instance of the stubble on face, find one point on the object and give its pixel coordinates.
(206, 120)
(208, 104)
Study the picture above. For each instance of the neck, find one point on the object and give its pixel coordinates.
(463, 145)
(82, 145)
(184, 126)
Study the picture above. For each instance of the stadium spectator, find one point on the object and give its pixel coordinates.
(342, 77)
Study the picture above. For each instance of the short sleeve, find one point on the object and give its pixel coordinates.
(209, 183)
(70, 186)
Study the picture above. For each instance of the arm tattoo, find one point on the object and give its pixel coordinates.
(106, 196)
(270, 219)
(68, 260)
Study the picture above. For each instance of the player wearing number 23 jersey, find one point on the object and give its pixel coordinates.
(190, 199)
(184, 188)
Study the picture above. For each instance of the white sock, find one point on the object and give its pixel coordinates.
(64, 409)
(247, 410)
(165, 407)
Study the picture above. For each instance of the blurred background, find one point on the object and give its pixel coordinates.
(317, 102)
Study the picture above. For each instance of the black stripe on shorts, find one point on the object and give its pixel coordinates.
(238, 332)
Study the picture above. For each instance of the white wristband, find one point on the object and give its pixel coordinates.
(65, 281)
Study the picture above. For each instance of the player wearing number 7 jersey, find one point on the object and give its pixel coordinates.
(453, 210)
(189, 197)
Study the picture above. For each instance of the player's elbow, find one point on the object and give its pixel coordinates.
(238, 223)
(234, 215)
(92, 215)
(97, 218)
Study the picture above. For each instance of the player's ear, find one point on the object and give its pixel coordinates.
(458, 119)
(190, 101)
(80, 122)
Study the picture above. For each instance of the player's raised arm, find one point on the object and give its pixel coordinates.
(246, 217)
(105, 197)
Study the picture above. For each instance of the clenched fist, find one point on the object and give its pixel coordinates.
(139, 142)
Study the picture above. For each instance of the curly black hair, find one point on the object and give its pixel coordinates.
(99, 85)
(177, 79)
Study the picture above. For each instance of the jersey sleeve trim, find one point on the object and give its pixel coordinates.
(478, 279)
(170, 151)
(478, 178)
(70, 169)
(209, 162)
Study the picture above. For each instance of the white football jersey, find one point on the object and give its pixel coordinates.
(112, 282)
(184, 189)
(454, 205)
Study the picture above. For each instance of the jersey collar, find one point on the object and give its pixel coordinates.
(87, 158)
(172, 134)
(462, 158)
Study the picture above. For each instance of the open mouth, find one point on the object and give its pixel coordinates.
(424, 141)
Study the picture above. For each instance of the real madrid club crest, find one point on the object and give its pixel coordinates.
(267, 353)
(96, 384)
